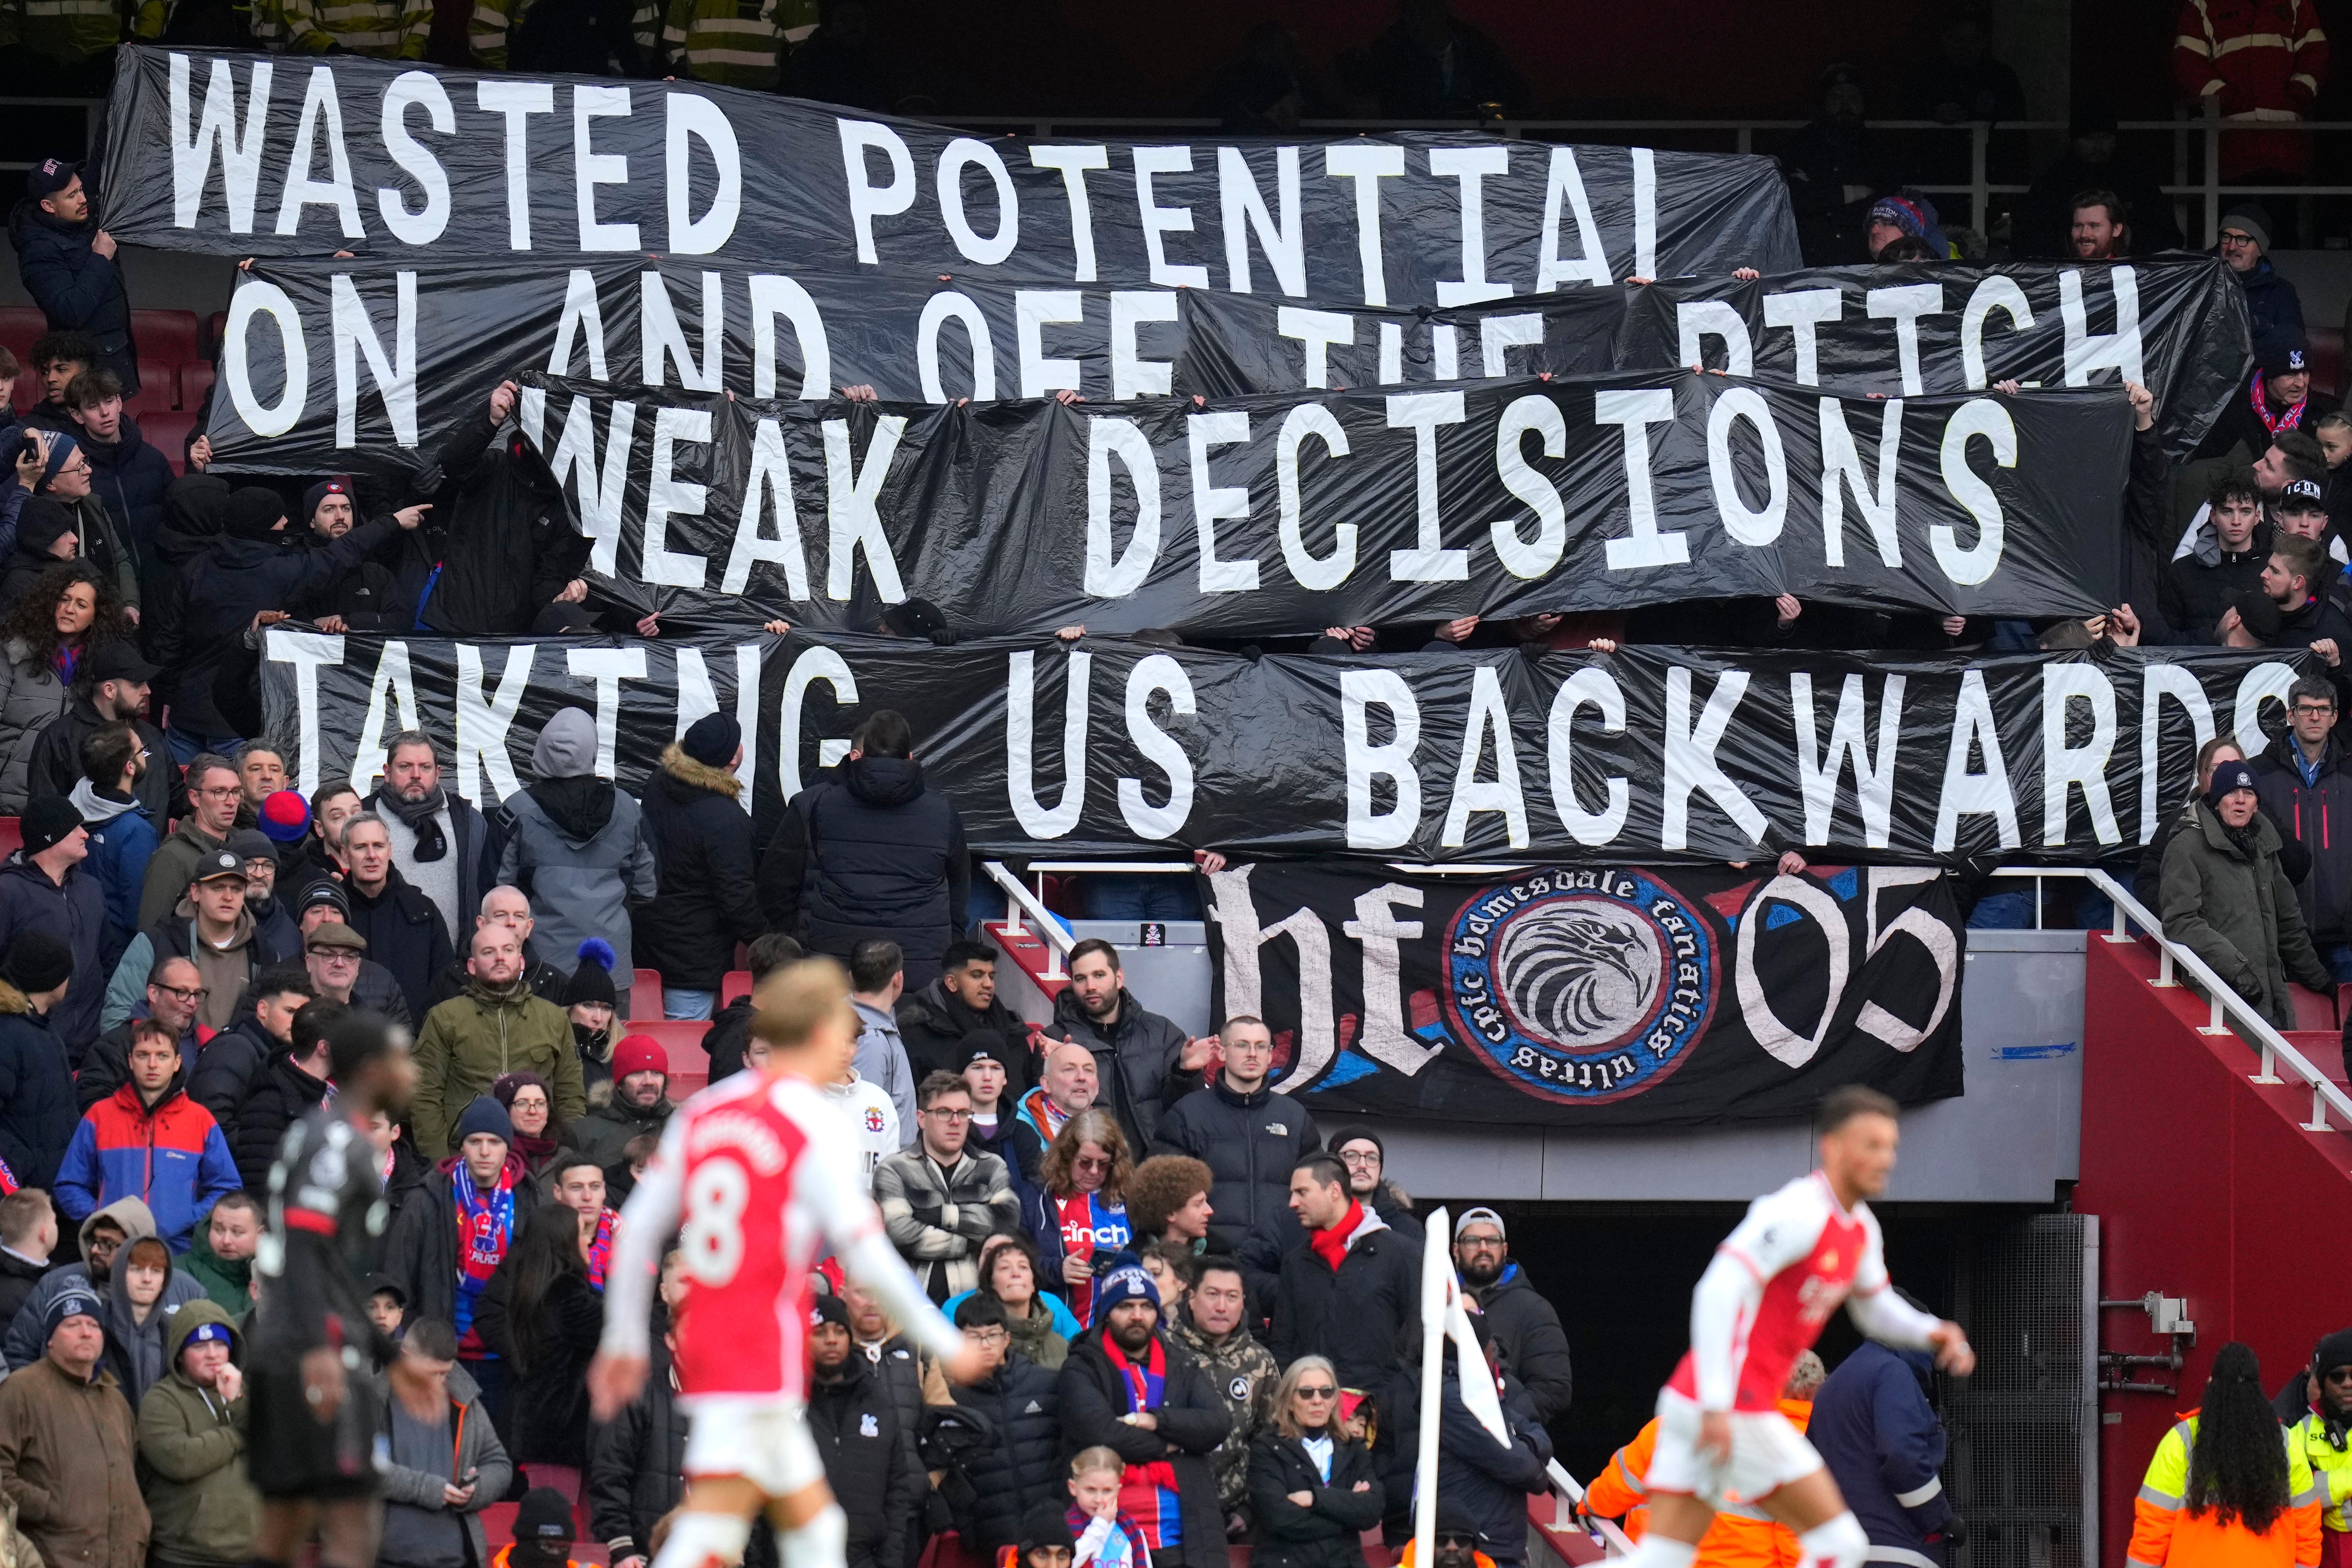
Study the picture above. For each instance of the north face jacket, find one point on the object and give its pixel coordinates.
(1249, 1141)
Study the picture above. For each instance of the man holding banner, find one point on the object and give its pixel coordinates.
(1761, 1304)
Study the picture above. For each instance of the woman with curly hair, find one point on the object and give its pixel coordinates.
(1078, 1210)
(2226, 1488)
(69, 611)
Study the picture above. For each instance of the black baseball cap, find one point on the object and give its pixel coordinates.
(2302, 495)
(120, 661)
(218, 864)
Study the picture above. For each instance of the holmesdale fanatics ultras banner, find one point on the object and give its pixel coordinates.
(1610, 994)
(387, 355)
(243, 154)
(1649, 756)
(1267, 516)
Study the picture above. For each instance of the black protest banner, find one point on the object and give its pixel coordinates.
(1648, 757)
(2176, 325)
(1618, 995)
(1273, 516)
(446, 330)
(245, 154)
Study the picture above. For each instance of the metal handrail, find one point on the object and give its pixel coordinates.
(1571, 1497)
(2229, 1008)
(1059, 941)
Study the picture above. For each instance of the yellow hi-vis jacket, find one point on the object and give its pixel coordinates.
(2164, 1531)
(387, 29)
(2331, 1470)
(735, 43)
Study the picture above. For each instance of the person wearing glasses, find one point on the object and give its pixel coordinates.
(940, 1200)
(1525, 1326)
(1458, 1543)
(213, 794)
(1075, 1211)
(2304, 784)
(2273, 308)
(63, 502)
(1022, 1467)
(1312, 1490)
(174, 989)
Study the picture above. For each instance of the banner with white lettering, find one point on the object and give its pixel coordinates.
(397, 351)
(2175, 324)
(243, 155)
(1650, 756)
(1587, 997)
(1269, 516)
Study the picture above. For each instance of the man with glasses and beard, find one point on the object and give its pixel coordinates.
(1523, 1325)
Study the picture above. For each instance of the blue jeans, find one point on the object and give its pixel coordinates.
(679, 1003)
(2003, 912)
(188, 744)
(1141, 896)
(2338, 959)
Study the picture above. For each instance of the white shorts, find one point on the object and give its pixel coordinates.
(1767, 1453)
(762, 1438)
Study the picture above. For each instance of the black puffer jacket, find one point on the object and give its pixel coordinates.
(228, 1066)
(1327, 1532)
(500, 531)
(636, 1464)
(869, 850)
(193, 509)
(701, 840)
(1526, 1329)
(76, 289)
(1249, 1141)
(1192, 1421)
(1022, 1469)
(932, 1025)
(1135, 1062)
(869, 1462)
(224, 588)
(273, 1102)
(405, 934)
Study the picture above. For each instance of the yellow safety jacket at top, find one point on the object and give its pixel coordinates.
(735, 43)
(2331, 1469)
(491, 31)
(2164, 1531)
(67, 31)
(387, 29)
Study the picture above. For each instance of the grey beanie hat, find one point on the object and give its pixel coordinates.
(567, 747)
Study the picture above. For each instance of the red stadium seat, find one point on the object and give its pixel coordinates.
(168, 433)
(737, 983)
(645, 996)
(20, 325)
(195, 380)
(2326, 345)
(26, 391)
(166, 340)
(159, 392)
(12, 836)
(215, 324)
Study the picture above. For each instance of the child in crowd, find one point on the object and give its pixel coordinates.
(1104, 1535)
(387, 1306)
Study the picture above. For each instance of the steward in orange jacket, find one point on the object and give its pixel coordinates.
(1740, 1537)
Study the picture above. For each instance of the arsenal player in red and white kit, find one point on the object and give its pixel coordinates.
(754, 1174)
(1761, 1304)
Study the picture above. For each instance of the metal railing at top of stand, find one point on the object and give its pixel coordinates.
(2228, 1006)
(1569, 1497)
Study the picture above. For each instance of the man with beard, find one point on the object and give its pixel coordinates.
(122, 836)
(934, 1019)
(1143, 1061)
(360, 600)
(1523, 1325)
(319, 852)
(445, 847)
(505, 906)
(639, 1106)
(111, 687)
(312, 1421)
(2318, 1428)
(499, 1025)
(1124, 1390)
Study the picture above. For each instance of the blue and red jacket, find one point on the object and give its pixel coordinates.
(172, 1158)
